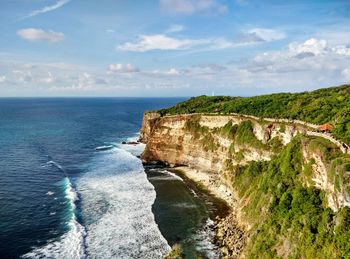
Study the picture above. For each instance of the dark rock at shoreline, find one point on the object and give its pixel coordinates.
(231, 236)
(130, 143)
(153, 164)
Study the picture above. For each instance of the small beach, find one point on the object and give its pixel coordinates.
(186, 212)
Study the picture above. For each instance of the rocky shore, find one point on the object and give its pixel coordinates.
(230, 236)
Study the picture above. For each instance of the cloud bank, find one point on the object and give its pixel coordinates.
(298, 66)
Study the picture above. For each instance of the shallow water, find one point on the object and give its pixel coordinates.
(186, 213)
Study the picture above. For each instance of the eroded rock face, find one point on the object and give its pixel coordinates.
(324, 178)
(149, 119)
(169, 140)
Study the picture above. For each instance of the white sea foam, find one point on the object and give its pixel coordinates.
(205, 240)
(71, 244)
(193, 192)
(170, 174)
(50, 193)
(134, 149)
(134, 138)
(116, 204)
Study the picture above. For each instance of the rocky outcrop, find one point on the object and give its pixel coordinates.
(149, 119)
(211, 144)
(231, 235)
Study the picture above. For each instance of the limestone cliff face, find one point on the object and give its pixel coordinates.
(149, 119)
(214, 143)
(328, 177)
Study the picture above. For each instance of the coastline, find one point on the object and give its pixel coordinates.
(230, 237)
(211, 182)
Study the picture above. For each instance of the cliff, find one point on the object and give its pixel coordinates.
(287, 183)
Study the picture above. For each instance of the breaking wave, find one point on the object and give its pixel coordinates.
(71, 244)
(116, 203)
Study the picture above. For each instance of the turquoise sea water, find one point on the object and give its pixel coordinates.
(69, 189)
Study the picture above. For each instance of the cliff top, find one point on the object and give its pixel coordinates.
(327, 105)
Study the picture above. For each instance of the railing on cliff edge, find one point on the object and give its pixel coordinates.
(342, 146)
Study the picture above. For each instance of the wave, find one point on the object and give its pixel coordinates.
(102, 148)
(71, 244)
(135, 150)
(134, 138)
(166, 175)
(55, 164)
(193, 192)
(116, 203)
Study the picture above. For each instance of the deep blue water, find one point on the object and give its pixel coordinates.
(61, 197)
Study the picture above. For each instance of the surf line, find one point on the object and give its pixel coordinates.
(72, 196)
(77, 232)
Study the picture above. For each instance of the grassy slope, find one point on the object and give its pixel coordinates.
(294, 219)
(329, 105)
(289, 217)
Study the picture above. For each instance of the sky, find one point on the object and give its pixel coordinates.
(160, 48)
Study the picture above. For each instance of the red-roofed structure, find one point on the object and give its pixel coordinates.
(326, 127)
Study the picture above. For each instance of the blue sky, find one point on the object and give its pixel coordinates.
(172, 47)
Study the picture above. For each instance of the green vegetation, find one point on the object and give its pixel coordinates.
(331, 105)
(290, 219)
(201, 133)
(245, 135)
(175, 253)
(275, 144)
(229, 130)
(242, 134)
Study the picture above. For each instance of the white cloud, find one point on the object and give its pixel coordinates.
(175, 28)
(259, 35)
(32, 34)
(173, 72)
(164, 42)
(23, 76)
(189, 7)
(122, 68)
(298, 66)
(85, 82)
(312, 47)
(346, 73)
(170, 72)
(49, 79)
(159, 42)
(48, 8)
(2, 79)
(267, 34)
(310, 63)
(342, 50)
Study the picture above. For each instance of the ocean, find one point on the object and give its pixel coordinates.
(70, 189)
